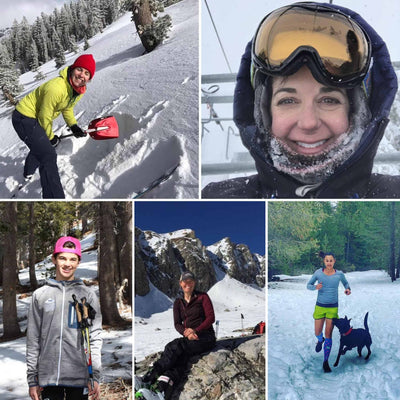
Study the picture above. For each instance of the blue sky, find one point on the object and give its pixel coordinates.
(242, 222)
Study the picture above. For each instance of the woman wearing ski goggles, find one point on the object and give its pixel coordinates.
(311, 106)
(333, 46)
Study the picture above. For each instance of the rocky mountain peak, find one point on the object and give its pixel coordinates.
(160, 259)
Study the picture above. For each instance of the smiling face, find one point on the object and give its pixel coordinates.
(307, 117)
(80, 76)
(66, 265)
(187, 286)
(329, 262)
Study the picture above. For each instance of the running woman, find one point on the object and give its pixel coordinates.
(326, 309)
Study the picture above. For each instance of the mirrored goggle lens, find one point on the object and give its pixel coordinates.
(342, 46)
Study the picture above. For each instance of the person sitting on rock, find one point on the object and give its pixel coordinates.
(193, 319)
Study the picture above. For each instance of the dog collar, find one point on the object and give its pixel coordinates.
(348, 332)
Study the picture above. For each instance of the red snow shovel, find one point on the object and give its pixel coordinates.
(101, 129)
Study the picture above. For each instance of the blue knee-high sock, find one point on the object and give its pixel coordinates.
(327, 348)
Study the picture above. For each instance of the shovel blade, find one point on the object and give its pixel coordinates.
(103, 128)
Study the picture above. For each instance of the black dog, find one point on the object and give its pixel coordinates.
(350, 338)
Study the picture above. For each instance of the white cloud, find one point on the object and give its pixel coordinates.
(11, 10)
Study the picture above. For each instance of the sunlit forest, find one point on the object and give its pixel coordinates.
(362, 235)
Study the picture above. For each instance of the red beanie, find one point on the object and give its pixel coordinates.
(85, 61)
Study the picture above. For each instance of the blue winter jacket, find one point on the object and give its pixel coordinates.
(353, 179)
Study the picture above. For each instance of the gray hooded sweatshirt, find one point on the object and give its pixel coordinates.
(54, 353)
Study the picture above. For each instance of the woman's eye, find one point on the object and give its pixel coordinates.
(330, 100)
(286, 100)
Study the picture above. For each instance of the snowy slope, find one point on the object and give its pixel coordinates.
(117, 345)
(295, 369)
(154, 98)
(154, 326)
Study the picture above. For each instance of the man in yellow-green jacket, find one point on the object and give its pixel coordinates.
(34, 115)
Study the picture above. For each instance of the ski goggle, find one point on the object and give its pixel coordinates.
(335, 48)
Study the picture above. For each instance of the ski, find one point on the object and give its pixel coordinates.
(157, 182)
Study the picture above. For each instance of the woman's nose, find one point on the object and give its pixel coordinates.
(308, 118)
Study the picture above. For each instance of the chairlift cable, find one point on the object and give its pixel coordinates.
(219, 40)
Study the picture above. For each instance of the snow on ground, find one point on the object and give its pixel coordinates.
(295, 369)
(117, 345)
(154, 326)
(154, 98)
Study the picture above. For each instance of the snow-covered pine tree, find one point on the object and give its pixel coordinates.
(78, 19)
(24, 39)
(151, 33)
(34, 56)
(73, 45)
(39, 34)
(59, 56)
(9, 77)
(39, 76)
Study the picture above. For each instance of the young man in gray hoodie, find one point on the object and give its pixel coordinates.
(55, 353)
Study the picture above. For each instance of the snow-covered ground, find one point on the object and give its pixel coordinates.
(154, 98)
(154, 326)
(295, 369)
(117, 345)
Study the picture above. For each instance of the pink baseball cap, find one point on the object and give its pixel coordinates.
(59, 247)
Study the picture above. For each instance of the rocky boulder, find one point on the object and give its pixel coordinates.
(234, 369)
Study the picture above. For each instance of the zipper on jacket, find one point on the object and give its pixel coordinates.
(61, 336)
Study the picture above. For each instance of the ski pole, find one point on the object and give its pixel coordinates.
(82, 317)
(216, 330)
(78, 310)
(241, 319)
(85, 333)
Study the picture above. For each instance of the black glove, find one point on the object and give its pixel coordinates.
(77, 131)
(54, 142)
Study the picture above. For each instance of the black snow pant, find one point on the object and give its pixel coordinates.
(176, 354)
(58, 392)
(42, 155)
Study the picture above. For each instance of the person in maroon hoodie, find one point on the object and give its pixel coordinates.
(193, 319)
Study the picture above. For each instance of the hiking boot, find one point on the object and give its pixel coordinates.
(326, 367)
(164, 385)
(318, 346)
(150, 376)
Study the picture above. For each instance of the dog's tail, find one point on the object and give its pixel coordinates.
(366, 322)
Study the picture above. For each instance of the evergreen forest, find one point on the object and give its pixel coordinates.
(362, 236)
(28, 232)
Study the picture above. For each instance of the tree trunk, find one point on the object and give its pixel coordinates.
(108, 258)
(124, 210)
(32, 252)
(10, 322)
(142, 17)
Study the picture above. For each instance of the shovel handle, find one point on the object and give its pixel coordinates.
(101, 128)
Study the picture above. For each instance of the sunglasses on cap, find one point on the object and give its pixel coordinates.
(335, 48)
